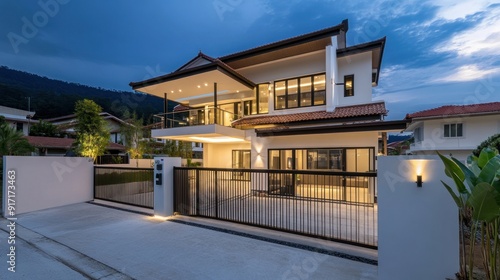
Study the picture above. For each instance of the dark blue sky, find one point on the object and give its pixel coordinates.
(437, 52)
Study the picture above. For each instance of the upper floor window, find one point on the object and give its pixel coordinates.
(19, 126)
(453, 130)
(349, 85)
(263, 98)
(417, 134)
(300, 92)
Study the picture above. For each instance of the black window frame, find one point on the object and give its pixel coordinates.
(343, 161)
(299, 97)
(349, 92)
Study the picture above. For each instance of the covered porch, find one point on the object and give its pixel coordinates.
(198, 87)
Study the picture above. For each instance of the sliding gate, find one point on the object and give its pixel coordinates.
(336, 206)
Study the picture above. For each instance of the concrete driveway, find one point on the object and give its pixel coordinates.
(91, 241)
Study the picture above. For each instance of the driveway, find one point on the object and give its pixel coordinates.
(92, 241)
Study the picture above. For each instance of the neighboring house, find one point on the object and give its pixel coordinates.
(18, 119)
(67, 123)
(52, 146)
(453, 129)
(300, 103)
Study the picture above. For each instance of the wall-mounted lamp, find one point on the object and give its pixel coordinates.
(419, 181)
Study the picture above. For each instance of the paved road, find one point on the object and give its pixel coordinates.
(90, 241)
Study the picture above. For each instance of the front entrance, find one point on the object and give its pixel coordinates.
(331, 205)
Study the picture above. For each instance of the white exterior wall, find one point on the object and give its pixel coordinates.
(361, 66)
(220, 155)
(46, 182)
(475, 130)
(261, 145)
(417, 227)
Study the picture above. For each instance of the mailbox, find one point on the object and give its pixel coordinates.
(159, 172)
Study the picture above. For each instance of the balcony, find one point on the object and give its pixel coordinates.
(209, 125)
(195, 117)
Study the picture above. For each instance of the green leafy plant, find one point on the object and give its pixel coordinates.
(477, 195)
(92, 134)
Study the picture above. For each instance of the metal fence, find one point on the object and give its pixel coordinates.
(336, 206)
(133, 186)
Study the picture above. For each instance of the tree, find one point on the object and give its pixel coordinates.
(46, 129)
(132, 132)
(492, 142)
(92, 134)
(12, 142)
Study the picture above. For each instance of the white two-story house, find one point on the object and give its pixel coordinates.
(303, 103)
(453, 129)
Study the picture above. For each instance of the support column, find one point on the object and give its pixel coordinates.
(215, 103)
(165, 109)
(332, 98)
(164, 185)
(384, 143)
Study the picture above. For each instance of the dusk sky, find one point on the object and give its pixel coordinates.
(437, 52)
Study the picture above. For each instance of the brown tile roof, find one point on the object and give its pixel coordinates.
(455, 110)
(339, 113)
(63, 143)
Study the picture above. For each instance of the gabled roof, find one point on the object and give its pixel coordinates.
(371, 109)
(319, 35)
(63, 143)
(198, 60)
(457, 110)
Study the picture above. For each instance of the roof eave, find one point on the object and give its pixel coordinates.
(327, 32)
(216, 65)
(355, 127)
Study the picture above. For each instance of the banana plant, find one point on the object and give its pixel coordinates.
(477, 192)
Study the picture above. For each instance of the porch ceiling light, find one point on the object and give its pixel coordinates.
(221, 139)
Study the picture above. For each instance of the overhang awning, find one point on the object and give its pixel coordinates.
(214, 134)
(381, 126)
(196, 82)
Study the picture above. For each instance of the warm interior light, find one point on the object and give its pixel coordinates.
(199, 86)
(206, 84)
(221, 139)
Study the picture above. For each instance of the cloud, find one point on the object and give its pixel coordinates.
(452, 10)
(468, 73)
(482, 40)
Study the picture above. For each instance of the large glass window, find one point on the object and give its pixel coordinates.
(263, 98)
(293, 93)
(280, 93)
(334, 159)
(305, 92)
(319, 90)
(300, 92)
(241, 159)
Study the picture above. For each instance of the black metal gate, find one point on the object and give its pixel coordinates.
(337, 206)
(133, 186)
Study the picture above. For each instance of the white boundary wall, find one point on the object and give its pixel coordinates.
(46, 182)
(418, 227)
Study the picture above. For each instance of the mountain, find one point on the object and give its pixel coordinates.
(51, 98)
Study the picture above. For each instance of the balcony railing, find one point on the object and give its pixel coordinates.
(196, 117)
